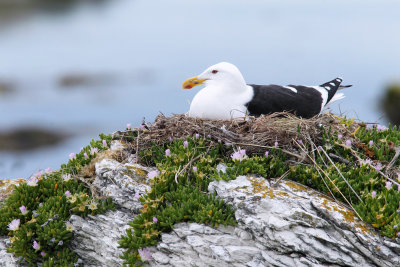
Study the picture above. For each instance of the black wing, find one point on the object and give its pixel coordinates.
(306, 102)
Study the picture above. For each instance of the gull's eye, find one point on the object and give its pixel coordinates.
(214, 71)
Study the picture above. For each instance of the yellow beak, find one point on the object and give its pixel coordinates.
(192, 82)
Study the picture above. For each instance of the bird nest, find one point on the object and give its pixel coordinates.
(253, 134)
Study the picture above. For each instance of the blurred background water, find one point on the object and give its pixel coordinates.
(73, 69)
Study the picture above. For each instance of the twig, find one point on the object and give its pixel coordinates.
(340, 159)
(281, 178)
(186, 166)
(327, 176)
(341, 175)
(394, 158)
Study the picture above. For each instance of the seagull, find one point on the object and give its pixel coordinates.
(227, 96)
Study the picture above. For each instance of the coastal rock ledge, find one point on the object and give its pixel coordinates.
(280, 223)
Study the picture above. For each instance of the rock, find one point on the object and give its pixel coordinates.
(282, 225)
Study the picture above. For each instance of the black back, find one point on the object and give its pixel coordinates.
(275, 98)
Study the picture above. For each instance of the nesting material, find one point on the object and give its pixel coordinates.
(254, 134)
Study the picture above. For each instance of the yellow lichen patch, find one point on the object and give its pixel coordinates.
(297, 187)
(348, 215)
(259, 186)
(137, 170)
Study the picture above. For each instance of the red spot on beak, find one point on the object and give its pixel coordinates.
(188, 86)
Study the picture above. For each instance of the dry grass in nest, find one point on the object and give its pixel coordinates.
(254, 134)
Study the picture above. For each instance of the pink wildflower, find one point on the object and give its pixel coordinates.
(104, 143)
(339, 136)
(67, 193)
(348, 143)
(36, 245)
(72, 156)
(389, 185)
(142, 126)
(194, 169)
(153, 174)
(168, 152)
(266, 153)
(197, 136)
(185, 144)
(137, 196)
(128, 126)
(155, 220)
(300, 142)
(373, 194)
(370, 143)
(23, 210)
(85, 155)
(93, 150)
(145, 254)
(276, 144)
(48, 170)
(43, 253)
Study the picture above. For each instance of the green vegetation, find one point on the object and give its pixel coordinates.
(35, 214)
(186, 167)
(360, 169)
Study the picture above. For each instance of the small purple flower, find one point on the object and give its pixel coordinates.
(170, 138)
(365, 162)
(72, 156)
(380, 128)
(197, 136)
(35, 213)
(14, 225)
(370, 143)
(300, 141)
(94, 150)
(276, 144)
(128, 126)
(85, 155)
(155, 220)
(43, 253)
(266, 153)
(32, 181)
(36, 245)
(194, 169)
(142, 126)
(153, 174)
(23, 210)
(48, 170)
(137, 195)
(168, 152)
(398, 188)
(389, 185)
(185, 144)
(339, 136)
(378, 167)
(239, 155)
(348, 143)
(67, 193)
(145, 254)
(395, 226)
(373, 194)
(104, 143)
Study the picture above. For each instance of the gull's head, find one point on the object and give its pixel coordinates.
(223, 73)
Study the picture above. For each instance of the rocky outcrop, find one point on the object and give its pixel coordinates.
(279, 224)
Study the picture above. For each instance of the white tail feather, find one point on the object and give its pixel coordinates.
(336, 97)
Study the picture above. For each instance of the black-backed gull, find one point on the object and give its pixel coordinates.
(226, 95)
